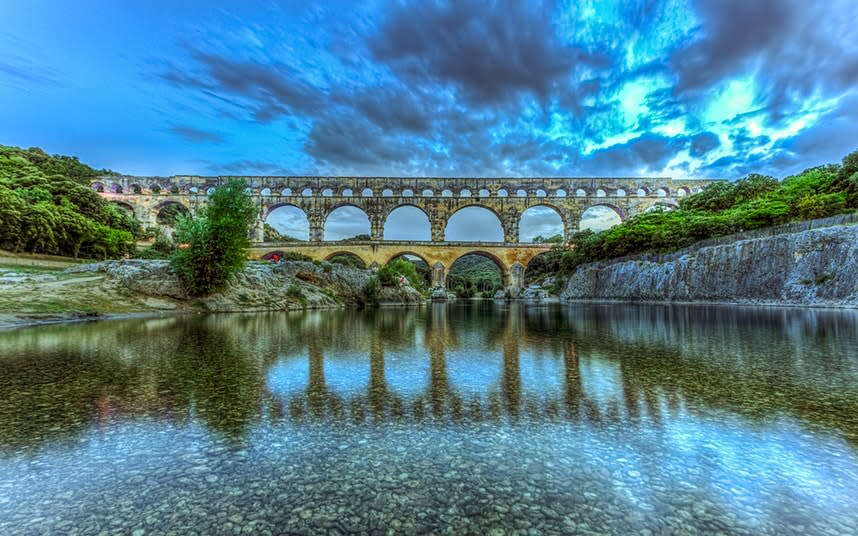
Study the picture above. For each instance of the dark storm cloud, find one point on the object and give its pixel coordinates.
(271, 89)
(703, 143)
(645, 154)
(489, 50)
(796, 47)
(196, 135)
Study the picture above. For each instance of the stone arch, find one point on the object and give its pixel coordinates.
(504, 269)
(464, 192)
(428, 193)
(620, 192)
(409, 252)
(348, 192)
(387, 192)
(642, 192)
(560, 192)
(428, 233)
(662, 192)
(662, 205)
(167, 211)
(98, 186)
(115, 188)
(125, 207)
(136, 189)
(366, 192)
(613, 208)
(490, 210)
(273, 256)
(446, 192)
(265, 192)
(342, 234)
(682, 191)
(521, 192)
(327, 192)
(600, 192)
(295, 232)
(287, 192)
(580, 192)
(345, 253)
(408, 192)
(483, 192)
(541, 193)
(556, 211)
(503, 193)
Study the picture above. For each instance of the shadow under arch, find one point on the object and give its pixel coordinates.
(167, 212)
(538, 206)
(457, 215)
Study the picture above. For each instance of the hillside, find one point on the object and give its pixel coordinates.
(47, 206)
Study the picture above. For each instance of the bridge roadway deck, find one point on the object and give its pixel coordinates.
(511, 258)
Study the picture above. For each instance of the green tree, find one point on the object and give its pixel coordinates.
(213, 246)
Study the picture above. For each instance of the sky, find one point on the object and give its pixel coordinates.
(680, 88)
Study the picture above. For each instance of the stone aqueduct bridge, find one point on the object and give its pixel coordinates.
(438, 198)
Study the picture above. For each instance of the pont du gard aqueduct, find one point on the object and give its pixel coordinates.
(439, 199)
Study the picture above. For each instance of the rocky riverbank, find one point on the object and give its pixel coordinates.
(121, 288)
(815, 267)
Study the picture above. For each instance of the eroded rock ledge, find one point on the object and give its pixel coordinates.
(261, 286)
(817, 267)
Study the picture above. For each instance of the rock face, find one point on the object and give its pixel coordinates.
(814, 267)
(261, 286)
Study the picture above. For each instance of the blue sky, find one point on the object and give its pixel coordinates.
(705, 88)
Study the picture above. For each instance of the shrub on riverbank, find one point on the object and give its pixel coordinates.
(721, 209)
(47, 206)
(213, 245)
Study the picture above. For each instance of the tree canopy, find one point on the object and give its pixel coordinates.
(47, 206)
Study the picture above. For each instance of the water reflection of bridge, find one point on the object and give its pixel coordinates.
(508, 399)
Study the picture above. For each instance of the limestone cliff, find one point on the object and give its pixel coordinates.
(815, 267)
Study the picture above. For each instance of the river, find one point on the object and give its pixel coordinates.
(475, 417)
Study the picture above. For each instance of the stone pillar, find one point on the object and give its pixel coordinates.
(516, 275)
(571, 221)
(438, 226)
(376, 226)
(316, 220)
(258, 231)
(439, 278)
(510, 222)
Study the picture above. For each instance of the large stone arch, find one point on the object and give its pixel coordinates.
(158, 215)
(614, 208)
(345, 252)
(126, 207)
(274, 206)
(388, 212)
(500, 219)
(564, 226)
(506, 275)
(326, 218)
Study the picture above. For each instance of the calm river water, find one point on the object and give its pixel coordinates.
(483, 418)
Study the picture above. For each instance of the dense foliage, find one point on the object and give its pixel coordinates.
(474, 275)
(348, 260)
(721, 209)
(47, 206)
(213, 245)
(390, 274)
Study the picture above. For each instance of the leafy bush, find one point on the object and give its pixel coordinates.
(390, 273)
(348, 260)
(721, 209)
(213, 246)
